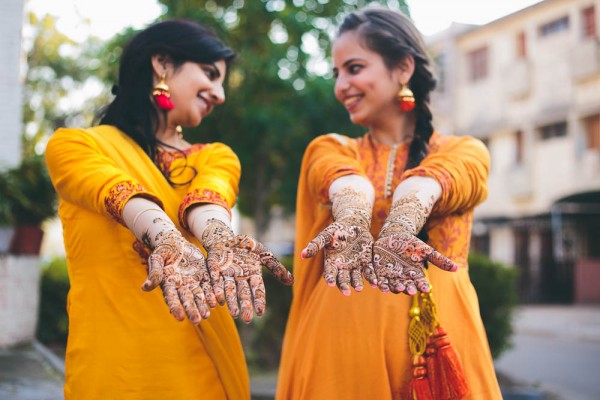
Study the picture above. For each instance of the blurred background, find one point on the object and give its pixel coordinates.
(522, 75)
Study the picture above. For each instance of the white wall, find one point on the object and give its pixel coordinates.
(11, 19)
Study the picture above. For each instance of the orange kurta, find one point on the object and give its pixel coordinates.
(356, 347)
(123, 342)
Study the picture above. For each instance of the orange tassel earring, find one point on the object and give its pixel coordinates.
(406, 99)
(161, 94)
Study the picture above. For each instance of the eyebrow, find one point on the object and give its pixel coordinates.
(350, 61)
(215, 68)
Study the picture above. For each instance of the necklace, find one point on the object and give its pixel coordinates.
(389, 172)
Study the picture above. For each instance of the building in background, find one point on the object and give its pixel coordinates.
(528, 85)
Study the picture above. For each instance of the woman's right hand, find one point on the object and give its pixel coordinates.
(179, 268)
(348, 242)
(348, 249)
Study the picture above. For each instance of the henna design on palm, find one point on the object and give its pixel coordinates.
(399, 256)
(235, 266)
(179, 268)
(347, 242)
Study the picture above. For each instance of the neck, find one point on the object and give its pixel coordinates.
(171, 136)
(394, 131)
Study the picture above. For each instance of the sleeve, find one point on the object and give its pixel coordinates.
(328, 158)
(217, 181)
(461, 166)
(83, 175)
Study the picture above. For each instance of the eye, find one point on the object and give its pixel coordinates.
(210, 72)
(336, 73)
(354, 68)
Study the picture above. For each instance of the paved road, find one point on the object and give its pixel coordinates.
(557, 349)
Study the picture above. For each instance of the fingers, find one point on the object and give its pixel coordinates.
(314, 246)
(396, 285)
(258, 293)
(155, 272)
(343, 281)
(356, 279)
(172, 299)
(330, 272)
(273, 264)
(245, 297)
(217, 261)
(383, 284)
(368, 271)
(231, 296)
(189, 305)
(201, 303)
(442, 262)
(422, 284)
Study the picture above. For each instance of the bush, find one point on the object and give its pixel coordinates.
(495, 284)
(53, 323)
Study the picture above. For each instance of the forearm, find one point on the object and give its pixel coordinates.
(426, 190)
(146, 220)
(358, 183)
(199, 216)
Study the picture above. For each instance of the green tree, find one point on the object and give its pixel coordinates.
(60, 74)
(280, 93)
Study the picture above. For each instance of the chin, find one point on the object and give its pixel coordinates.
(358, 120)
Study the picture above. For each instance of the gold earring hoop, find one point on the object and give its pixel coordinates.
(406, 98)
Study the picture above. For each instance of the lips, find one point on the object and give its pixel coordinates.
(207, 104)
(351, 101)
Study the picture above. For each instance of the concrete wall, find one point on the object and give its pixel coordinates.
(11, 19)
(19, 299)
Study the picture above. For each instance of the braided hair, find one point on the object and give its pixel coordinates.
(393, 36)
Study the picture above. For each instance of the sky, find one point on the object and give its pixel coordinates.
(107, 17)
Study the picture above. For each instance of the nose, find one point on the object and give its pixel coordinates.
(217, 94)
(341, 85)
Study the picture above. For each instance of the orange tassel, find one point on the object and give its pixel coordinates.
(450, 382)
(432, 367)
(419, 386)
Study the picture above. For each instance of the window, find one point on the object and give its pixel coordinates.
(553, 130)
(588, 18)
(478, 64)
(521, 45)
(592, 132)
(519, 147)
(558, 25)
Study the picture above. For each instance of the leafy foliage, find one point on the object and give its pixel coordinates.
(495, 284)
(280, 94)
(28, 192)
(53, 322)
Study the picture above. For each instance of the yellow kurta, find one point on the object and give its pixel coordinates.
(123, 343)
(356, 347)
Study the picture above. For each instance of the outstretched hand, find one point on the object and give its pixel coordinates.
(399, 256)
(179, 268)
(347, 242)
(235, 266)
(348, 250)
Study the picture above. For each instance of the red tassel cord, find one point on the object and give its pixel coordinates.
(450, 382)
(419, 385)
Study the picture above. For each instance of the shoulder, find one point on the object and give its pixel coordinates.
(332, 141)
(443, 143)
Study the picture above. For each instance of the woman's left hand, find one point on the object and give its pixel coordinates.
(235, 265)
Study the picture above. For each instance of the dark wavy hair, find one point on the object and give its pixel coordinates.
(133, 110)
(393, 36)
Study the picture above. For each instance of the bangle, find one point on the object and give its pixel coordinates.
(140, 213)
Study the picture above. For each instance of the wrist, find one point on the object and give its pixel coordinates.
(352, 207)
(216, 231)
(407, 214)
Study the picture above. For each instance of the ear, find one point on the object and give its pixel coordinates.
(405, 69)
(160, 64)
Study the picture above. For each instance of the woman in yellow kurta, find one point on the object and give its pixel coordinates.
(364, 201)
(135, 200)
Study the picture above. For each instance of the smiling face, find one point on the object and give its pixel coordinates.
(364, 84)
(195, 90)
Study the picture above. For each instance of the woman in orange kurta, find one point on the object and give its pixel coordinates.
(359, 199)
(136, 200)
